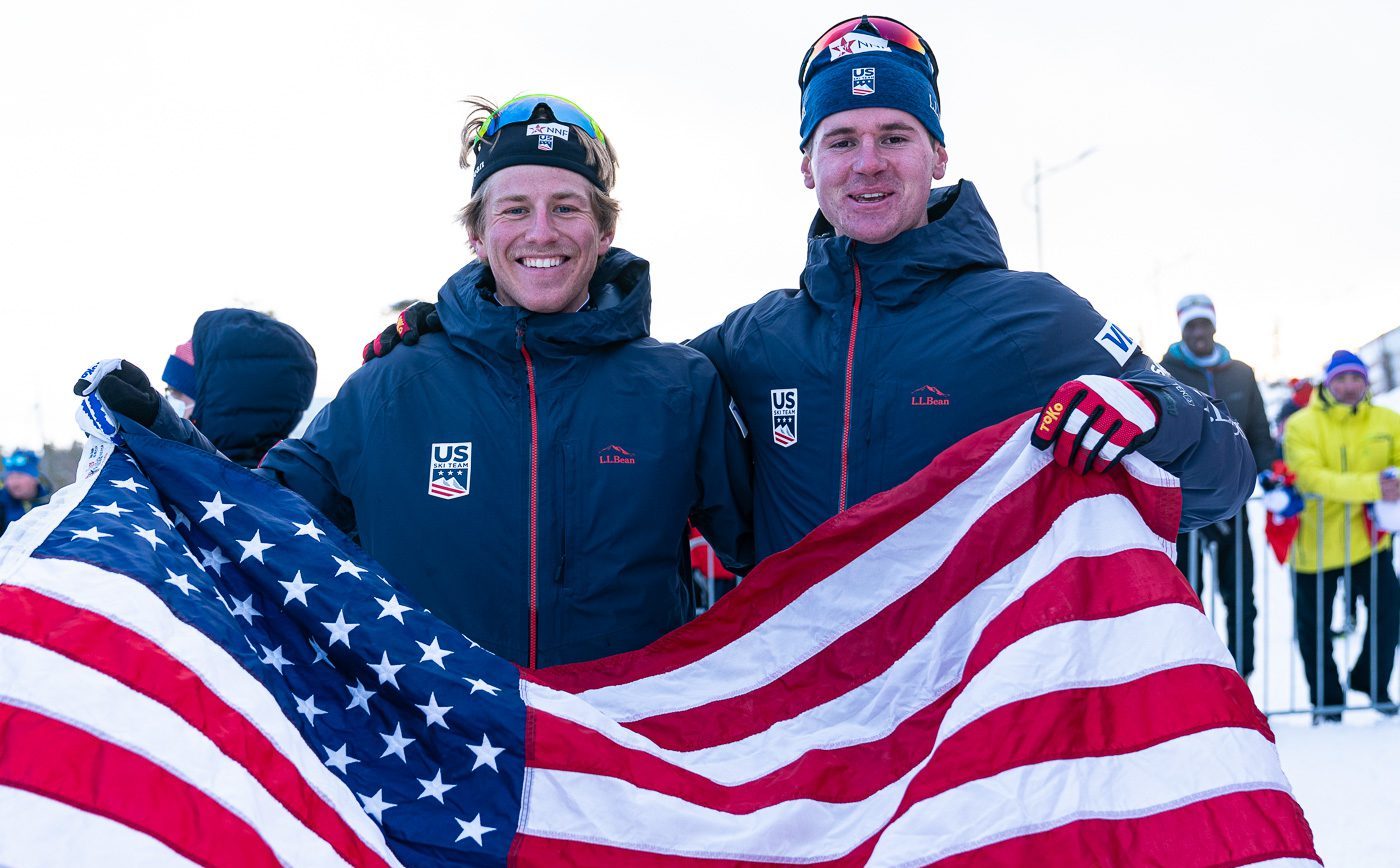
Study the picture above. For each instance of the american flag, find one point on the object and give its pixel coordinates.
(993, 664)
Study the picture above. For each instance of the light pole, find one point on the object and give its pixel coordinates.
(1035, 182)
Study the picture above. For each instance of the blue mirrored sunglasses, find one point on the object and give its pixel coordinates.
(522, 108)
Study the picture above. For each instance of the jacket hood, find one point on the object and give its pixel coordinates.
(1178, 351)
(618, 310)
(960, 236)
(255, 377)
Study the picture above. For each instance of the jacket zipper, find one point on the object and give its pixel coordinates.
(850, 372)
(534, 495)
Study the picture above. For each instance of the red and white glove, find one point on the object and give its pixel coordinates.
(1092, 422)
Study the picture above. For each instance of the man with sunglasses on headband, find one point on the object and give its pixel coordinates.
(529, 471)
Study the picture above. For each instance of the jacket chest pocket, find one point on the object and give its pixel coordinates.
(1376, 452)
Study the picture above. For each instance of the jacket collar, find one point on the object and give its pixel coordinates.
(960, 235)
(619, 310)
(1323, 398)
(1179, 351)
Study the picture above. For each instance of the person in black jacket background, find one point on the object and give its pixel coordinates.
(1198, 361)
(244, 380)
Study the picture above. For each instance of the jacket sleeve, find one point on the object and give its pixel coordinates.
(1199, 443)
(1196, 440)
(724, 475)
(1302, 449)
(320, 465)
(712, 344)
(169, 426)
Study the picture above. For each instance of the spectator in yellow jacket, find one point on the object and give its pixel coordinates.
(1340, 446)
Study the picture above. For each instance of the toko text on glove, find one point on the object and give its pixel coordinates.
(1091, 422)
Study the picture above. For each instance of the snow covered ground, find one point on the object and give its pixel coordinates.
(1347, 776)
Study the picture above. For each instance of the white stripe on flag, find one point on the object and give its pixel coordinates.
(43, 833)
(872, 710)
(103, 706)
(132, 605)
(1123, 399)
(800, 830)
(1046, 795)
(1078, 654)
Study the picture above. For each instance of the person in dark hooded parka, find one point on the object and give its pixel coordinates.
(244, 380)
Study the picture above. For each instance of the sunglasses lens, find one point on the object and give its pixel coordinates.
(523, 108)
(886, 28)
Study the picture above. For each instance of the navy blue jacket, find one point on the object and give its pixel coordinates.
(254, 377)
(529, 476)
(890, 353)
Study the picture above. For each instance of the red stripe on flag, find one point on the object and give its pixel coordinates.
(788, 574)
(1066, 724)
(93, 641)
(1234, 829)
(1229, 830)
(61, 762)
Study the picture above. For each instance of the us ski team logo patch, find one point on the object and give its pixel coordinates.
(863, 80)
(784, 416)
(450, 470)
(547, 134)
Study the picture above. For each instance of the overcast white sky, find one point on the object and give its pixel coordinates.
(158, 159)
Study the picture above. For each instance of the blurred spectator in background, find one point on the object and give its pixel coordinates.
(709, 579)
(1198, 361)
(244, 380)
(25, 487)
(1302, 394)
(1341, 447)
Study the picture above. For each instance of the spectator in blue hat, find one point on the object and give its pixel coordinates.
(1344, 449)
(25, 487)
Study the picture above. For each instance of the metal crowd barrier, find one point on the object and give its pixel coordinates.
(1279, 682)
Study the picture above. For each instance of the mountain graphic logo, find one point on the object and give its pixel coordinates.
(929, 396)
(614, 454)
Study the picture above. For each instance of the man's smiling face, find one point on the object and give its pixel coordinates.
(872, 169)
(540, 237)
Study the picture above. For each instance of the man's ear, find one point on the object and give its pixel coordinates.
(940, 161)
(807, 170)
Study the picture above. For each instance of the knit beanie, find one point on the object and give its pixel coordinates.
(23, 461)
(179, 369)
(1344, 362)
(1194, 307)
(869, 62)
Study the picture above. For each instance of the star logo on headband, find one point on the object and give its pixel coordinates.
(857, 43)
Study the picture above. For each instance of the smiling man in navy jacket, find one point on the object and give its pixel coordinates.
(908, 332)
(528, 472)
